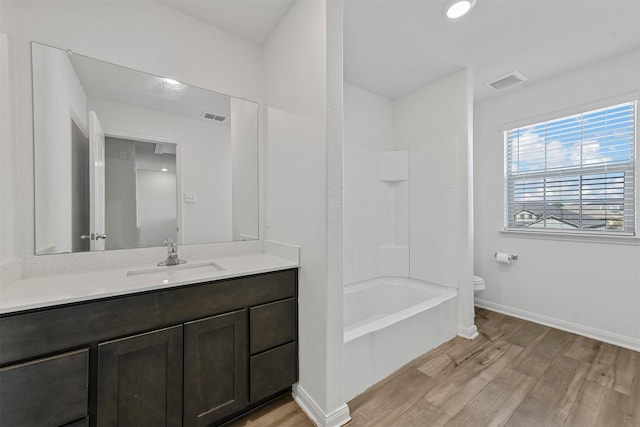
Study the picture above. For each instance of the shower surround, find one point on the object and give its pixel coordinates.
(408, 269)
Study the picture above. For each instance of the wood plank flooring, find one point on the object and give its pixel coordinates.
(515, 374)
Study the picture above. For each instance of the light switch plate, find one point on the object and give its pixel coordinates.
(191, 197)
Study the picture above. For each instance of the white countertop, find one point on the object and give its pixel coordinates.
(52, 290)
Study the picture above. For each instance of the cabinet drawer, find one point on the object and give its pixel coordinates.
(45, 392)
(273, 371)
(272, 324)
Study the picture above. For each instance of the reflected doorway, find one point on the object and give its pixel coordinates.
(140, 193)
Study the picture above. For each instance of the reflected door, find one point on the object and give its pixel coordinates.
(96, 183)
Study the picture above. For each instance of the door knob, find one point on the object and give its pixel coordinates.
(94, 236)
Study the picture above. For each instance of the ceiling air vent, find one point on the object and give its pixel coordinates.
(210, 116)
(507, 81)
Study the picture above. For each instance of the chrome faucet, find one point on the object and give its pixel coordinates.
(172, 254)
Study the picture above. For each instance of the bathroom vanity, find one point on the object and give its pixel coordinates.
(143, 159)
(86, 342)
(197, 354)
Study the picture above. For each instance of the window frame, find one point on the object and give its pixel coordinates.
(625, 237)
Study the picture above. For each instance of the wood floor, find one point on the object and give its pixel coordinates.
(516, 373)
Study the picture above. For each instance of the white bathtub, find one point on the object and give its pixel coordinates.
(389, 321)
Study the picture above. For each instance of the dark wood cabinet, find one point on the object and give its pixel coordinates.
(194, 355)
(215, 368)
(140, 380)
(52, 391)
(84, 422)
(273, 370)
(273, 324)
(274, 353)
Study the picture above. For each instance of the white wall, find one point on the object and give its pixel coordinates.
(7, 137)
(156, 202)
(588, 287)
(120, 194)
(368, 202)
(433, 123)
(204, 163)
(142, 35)
(303, 206)
(244, 169)
(60, 100)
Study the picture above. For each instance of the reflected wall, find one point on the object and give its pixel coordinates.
(213, 136)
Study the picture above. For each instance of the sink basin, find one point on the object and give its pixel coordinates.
(177, 272)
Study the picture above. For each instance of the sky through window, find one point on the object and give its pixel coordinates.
(575, 172)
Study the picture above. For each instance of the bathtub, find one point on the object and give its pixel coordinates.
(389, 321)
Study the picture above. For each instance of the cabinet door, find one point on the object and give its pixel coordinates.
(215, 368)
(140, 380)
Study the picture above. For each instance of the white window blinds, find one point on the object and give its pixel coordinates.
(575, 173)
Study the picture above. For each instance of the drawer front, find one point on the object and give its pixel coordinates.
(45, 392)
(272, 324)
(273, 371)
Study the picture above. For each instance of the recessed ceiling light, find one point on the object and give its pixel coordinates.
(455, 9)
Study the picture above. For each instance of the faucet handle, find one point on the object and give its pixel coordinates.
(172, 254)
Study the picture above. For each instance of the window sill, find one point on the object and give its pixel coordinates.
(573, 237)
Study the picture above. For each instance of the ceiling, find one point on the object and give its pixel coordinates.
(392, 47)
(252, 20)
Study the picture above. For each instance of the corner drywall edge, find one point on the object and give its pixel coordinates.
(302, 60)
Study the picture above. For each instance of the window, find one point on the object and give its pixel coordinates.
(575, 173)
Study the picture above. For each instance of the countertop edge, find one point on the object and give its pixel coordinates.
(268, 263)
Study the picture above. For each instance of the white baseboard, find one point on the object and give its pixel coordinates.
(469, 333)
(336, 418)
(587, 331)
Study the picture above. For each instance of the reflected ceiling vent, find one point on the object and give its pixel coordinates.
(504, 82)
(210, 116)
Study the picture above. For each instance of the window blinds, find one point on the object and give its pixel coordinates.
(575, 173)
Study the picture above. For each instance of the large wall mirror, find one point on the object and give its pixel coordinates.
(126, 159)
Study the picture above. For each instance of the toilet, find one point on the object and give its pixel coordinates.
(478, 284)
